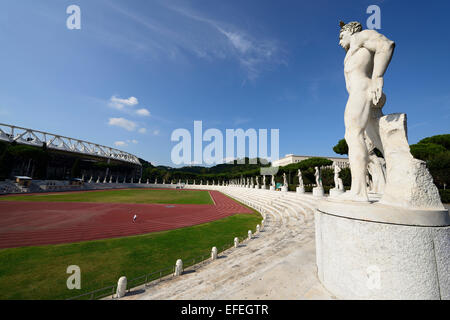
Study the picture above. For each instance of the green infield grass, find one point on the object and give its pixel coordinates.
(121, 196)
(40, 272)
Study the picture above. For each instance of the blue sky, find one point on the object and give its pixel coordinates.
(137, 70)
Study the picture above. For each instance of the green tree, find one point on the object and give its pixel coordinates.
(341, 147)
(426, 151)
(442, 140)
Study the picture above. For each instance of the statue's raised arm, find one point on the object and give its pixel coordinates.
(383, 48)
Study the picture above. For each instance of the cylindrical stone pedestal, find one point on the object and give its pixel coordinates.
(272, 188)
(362, 259)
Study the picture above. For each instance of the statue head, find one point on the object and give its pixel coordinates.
(347, 30)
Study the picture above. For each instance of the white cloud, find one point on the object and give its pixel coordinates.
(143, 112)
(123, 123)
(156, 132)
(205, 38)
(238, 41)
(119, 103)
(142, 130)
(125, 144)
(120, 144)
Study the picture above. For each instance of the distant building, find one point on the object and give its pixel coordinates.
(291, 158)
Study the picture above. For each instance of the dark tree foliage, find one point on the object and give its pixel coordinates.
(341, 147)
(346, 177)
(306, 164)
(442, 140)
(426, 151)
(435, 151)
(218, 173)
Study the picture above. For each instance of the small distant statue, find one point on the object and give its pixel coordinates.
(264, 180)
(257, 181)
(338, 185)
(285, 183)
(300, 178)
(318, 177)
(273, 181)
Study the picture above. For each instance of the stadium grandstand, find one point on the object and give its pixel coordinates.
(42, 155)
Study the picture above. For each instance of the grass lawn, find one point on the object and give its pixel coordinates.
(40, 272)
(121, 196)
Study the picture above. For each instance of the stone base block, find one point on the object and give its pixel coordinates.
(318, 192)
(284, 189)
(272, 188)
(336, 192)
(300, 190)
(360, 259)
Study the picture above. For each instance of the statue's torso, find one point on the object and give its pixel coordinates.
(358, 68)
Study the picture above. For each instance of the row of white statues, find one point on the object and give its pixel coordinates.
(254, 182)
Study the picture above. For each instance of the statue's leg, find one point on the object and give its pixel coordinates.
(356, 118)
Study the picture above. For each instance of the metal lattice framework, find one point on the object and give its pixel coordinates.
(37, 138)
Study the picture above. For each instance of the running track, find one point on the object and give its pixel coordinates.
(41, 223)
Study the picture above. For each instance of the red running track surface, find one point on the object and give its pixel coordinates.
(41, 223)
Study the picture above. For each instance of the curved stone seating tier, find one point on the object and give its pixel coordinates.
(286, 240)
(289, 207)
